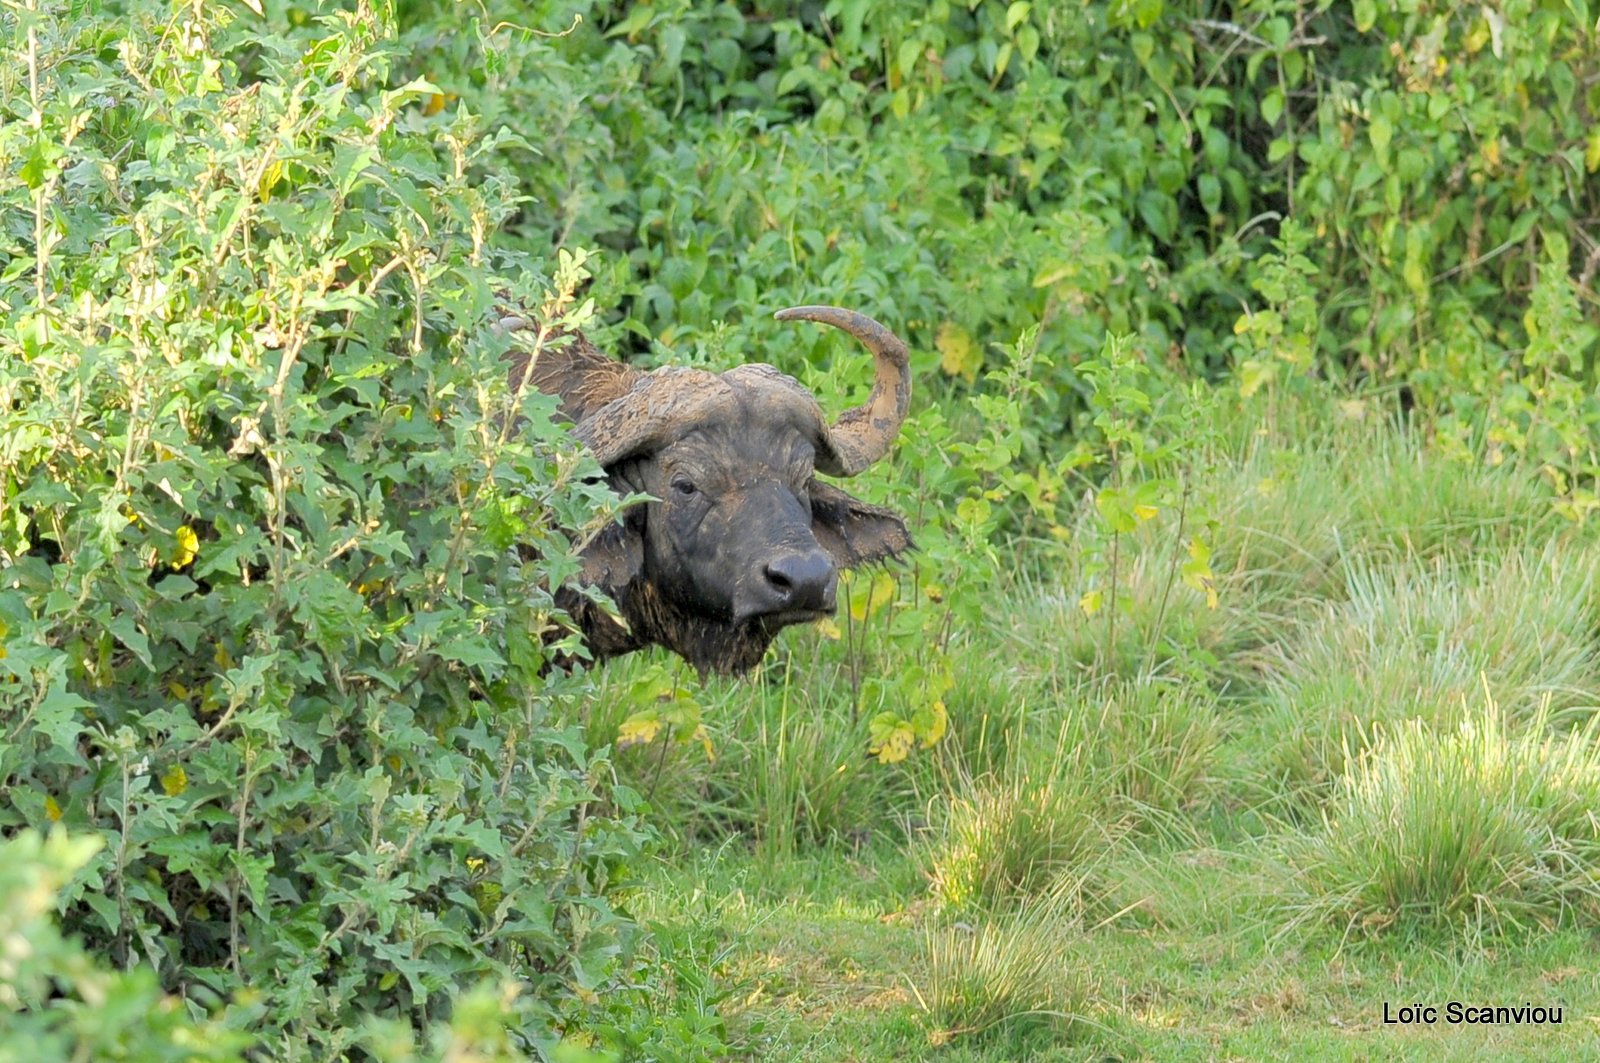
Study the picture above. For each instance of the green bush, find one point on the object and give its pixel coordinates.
(1391, 194)
(58, 1001)
(265, 630)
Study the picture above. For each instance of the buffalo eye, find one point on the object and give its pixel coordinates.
(684, 487)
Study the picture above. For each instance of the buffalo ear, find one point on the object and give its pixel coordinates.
(613, 560)
(615, 557)
(855, 532)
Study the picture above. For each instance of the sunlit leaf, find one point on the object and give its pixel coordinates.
(1053, 273)
(703, 736)
(188, 546)
(889, 738)
(960, 355)
(1197, 574)
(639, 729)
(867, 598)
(1254, 374)
(932, 721)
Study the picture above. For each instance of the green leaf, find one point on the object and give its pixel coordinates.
(1156, 211)
(474, 652)
(1027, 42)
(38, 163)
(1380, 130)
(58, 718)
(1115, 509)
(889, 738)
(1272, 106)
(122, 626)
(906, 56)
(1522, 226)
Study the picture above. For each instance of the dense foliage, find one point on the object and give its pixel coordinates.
(266, 630)
(1273, 188)
(278, 542)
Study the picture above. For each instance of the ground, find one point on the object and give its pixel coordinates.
(1269, 860)
(823, 959)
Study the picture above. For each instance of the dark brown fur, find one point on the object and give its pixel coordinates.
(574, 371)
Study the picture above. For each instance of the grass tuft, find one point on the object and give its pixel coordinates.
(1006, 976)
(1157, 741)
(1007, 837)
(1478, 827)
(1413, 641)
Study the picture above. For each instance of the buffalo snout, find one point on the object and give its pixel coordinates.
(790, 584)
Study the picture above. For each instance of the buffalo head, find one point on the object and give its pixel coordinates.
(740, 539)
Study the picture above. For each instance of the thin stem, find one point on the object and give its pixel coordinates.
(233, 885)
(1111, 607)
(122, 869)
(1172, 574)
(36, 120)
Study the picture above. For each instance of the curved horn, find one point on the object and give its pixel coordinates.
(863, 435)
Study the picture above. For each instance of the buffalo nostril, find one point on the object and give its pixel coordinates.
(802, 580)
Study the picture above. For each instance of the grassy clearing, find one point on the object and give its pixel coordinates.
(826, 958)
(1299, 813)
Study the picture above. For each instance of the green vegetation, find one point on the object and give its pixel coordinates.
(1245, 678)
(1476, 825)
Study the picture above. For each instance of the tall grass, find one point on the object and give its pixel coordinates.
(1478, 827)
(1415, 641)
(1287, 518)
(1155, 741)
(1006, 838)
(1124, 756)
(1162, 626)
(787, 764)
(1408, 501)
(1292, 512)
(994, 712)
(801, 774)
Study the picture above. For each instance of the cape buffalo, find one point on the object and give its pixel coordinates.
(741, 538)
